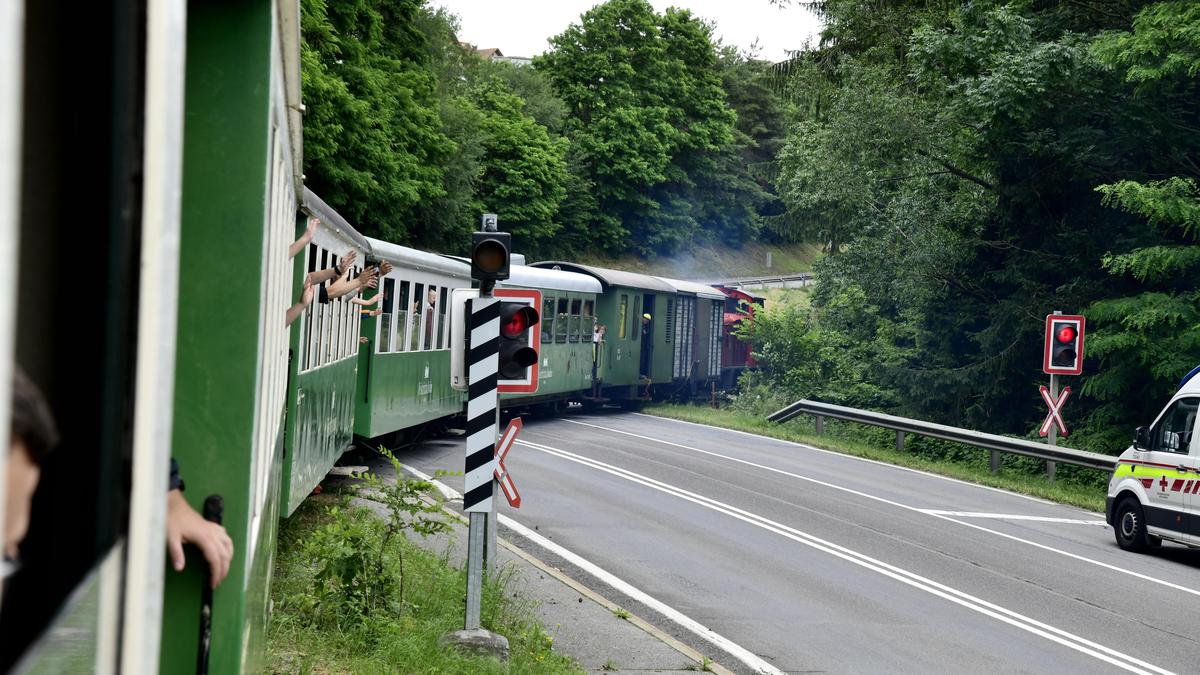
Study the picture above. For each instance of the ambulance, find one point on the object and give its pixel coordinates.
(1154, 493)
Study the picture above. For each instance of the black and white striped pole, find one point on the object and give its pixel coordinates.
(489, 264)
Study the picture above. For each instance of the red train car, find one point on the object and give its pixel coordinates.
(736, 354)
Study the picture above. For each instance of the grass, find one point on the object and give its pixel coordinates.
(718, 262)
(1077, 487)
(305, 637)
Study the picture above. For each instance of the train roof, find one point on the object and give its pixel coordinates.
(411, 258)
(551, 280)
(610, 277)
(694, 288)
(316, 206)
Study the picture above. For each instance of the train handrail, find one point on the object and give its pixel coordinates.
(979, 439)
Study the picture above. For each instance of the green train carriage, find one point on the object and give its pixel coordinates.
(634, 355)
(404, 363)
(567, 317)
(694, 335)
(323, 367)
(185, 351)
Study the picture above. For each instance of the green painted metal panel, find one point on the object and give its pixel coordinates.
(225, 189)
(399, 390)
(321, 407)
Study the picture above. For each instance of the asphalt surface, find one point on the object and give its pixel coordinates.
(817, 562)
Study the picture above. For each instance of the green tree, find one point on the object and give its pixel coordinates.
(373, 142)
(647, 119)
(524, 169)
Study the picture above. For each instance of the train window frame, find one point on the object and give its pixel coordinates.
(589, 307)
(402, 316)
(428, 320)
(574, 332)
(635, 326)
(622, 315)
(562, 319)
(384, 340)
(443, 331)
(547, 318)
(416, 313)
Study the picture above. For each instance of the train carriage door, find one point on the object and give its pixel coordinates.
(646, 321)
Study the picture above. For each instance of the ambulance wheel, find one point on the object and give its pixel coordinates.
(1130, 525)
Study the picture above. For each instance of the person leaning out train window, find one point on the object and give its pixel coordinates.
(33, 435)
(300, 243)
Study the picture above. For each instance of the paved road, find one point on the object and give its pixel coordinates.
(816, 561)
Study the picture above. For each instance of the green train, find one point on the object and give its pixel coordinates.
(187, 194)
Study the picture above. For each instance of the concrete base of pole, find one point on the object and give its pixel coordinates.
(477, 642)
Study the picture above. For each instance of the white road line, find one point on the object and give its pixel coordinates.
(1017, 620)
(884, 500)
(1013, 516)
(739, 652)
(868, 460)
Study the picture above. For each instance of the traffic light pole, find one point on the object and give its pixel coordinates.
(482, 406)
(1052, 437)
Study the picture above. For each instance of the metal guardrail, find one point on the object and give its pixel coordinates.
(785, 280)
(979, 439)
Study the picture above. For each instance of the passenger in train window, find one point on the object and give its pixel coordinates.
(430, 311)
(185, 526)
(32, 436)
(368, 278)
(300, 243)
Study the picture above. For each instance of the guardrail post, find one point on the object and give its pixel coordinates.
(820, 419)
(995, 461)
(899, 441)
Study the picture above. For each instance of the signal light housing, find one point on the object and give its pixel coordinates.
(516, 354)
(490, 255)
(1063, 352)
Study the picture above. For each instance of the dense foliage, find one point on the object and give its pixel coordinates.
(968, 167)
(974, 167)
(626, 137)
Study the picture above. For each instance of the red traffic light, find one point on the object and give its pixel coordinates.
(1066, 334)
(518, 323)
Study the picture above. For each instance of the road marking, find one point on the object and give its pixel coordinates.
(898, 505)
(856, 458)
(1014, 516)
(1025, 623)
(739, 652)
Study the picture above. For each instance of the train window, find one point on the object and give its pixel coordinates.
(622, 315)
(417, 315)
(561, 318)
(443, 332)
(428, 317)
(576, 306)
(385, 319)
(312, 257)
(548, 319)
(324, 259)
(670, 319)
(589, 309)
(402, 317)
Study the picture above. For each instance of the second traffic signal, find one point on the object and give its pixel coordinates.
(1063, 352)
(517, 354)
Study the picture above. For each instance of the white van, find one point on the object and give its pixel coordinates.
(1154, 493)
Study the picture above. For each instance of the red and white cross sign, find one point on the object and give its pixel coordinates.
(1054, 417)
(501, 473)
